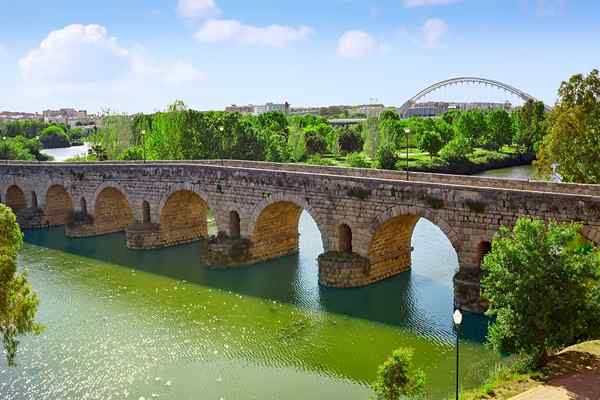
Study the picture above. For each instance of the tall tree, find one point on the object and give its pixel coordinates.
(499, 129)
(529, 126)
(18, 302)
(573, 139)
(542, 282)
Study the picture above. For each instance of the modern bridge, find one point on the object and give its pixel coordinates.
(466, 80)
(366, 217)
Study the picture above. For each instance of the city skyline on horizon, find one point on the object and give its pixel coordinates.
(143, 55)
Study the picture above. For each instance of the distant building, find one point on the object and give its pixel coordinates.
(306, 111)
(435, 108)
(272, 107)
(19, 116)
(68, 116)
(249, 109)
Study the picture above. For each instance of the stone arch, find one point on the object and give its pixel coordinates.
(57, 205)
(273, 227)
(91, 205)
(483, 248)
(15, 198)
(390, 247)
(234, 224)
(111, 209)
(344, 238)
(83, 205)
(183, 218)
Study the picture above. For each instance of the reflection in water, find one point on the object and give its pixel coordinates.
(129, 322)
(518, 172)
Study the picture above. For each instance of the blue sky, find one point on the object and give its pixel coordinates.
(134, 55)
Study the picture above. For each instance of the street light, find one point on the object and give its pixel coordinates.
(457, 318)
(407, 131)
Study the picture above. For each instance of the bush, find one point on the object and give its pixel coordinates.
(397, 378)
(386, 157)
(430, 141)
(358, 160)
(53, 137)
(457, 149)
(133, 153)
(315, 144)
(350, 141)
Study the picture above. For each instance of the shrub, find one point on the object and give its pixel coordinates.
(350, 141)
(358, 160)
(386, 157)
(53, 137)
(457, 149)
(397, 378)
(133, 153)
(315, 144)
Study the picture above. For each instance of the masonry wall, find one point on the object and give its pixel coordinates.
(468, 210)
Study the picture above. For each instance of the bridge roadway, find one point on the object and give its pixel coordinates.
(366, 217)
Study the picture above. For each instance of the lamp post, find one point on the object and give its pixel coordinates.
(4, 148)
(407, 131)
(221, 129)
(457, 318)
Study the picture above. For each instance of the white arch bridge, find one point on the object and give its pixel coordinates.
(467, 80)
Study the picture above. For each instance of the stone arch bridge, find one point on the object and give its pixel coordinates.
(366, 217)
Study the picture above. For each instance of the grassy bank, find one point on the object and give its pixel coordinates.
(478, 161)
(510, 379)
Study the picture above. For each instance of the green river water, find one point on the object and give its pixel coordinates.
(123, 324)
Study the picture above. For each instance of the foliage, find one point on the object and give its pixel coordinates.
(391, 133)
(358, 160)
(389, 114)
(542, 282)
(430, 141)
(457, 149)
(499, 130)
(18, 302)
(97, 152)
(315, 143)
(54, 137)
(471, 125)
(386, 157)
(573, 139)
(350, 141)
(114, 134)
(529, 126)
(296, 144)
(397, 377)
(371, 136)
(132, 153)
(16, 149)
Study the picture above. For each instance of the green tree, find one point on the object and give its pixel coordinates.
(297, 143)
(430, 141)
(315, 143)
(18, 302)
(389, 114)
(350, 141)
(529, 126)
(573, 139)
(397, 377)
(386, 157)
(470, 125)
(54, 137)
(457, 149)
(499, 130)
(540, 280)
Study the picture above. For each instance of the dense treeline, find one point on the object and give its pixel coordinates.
(180, 134)
(23, 140)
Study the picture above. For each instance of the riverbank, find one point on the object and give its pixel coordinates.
(508, 381)
(478, 164)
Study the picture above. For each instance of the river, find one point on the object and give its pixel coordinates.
(64, 153)
(156, 324)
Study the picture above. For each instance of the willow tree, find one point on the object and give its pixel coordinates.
(18, 302)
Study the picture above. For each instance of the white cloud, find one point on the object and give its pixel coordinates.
(433, 30)
(76, 53)
(84, 58)
(231, 30)
(197, 9)
(357, 44)
(420, 3)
